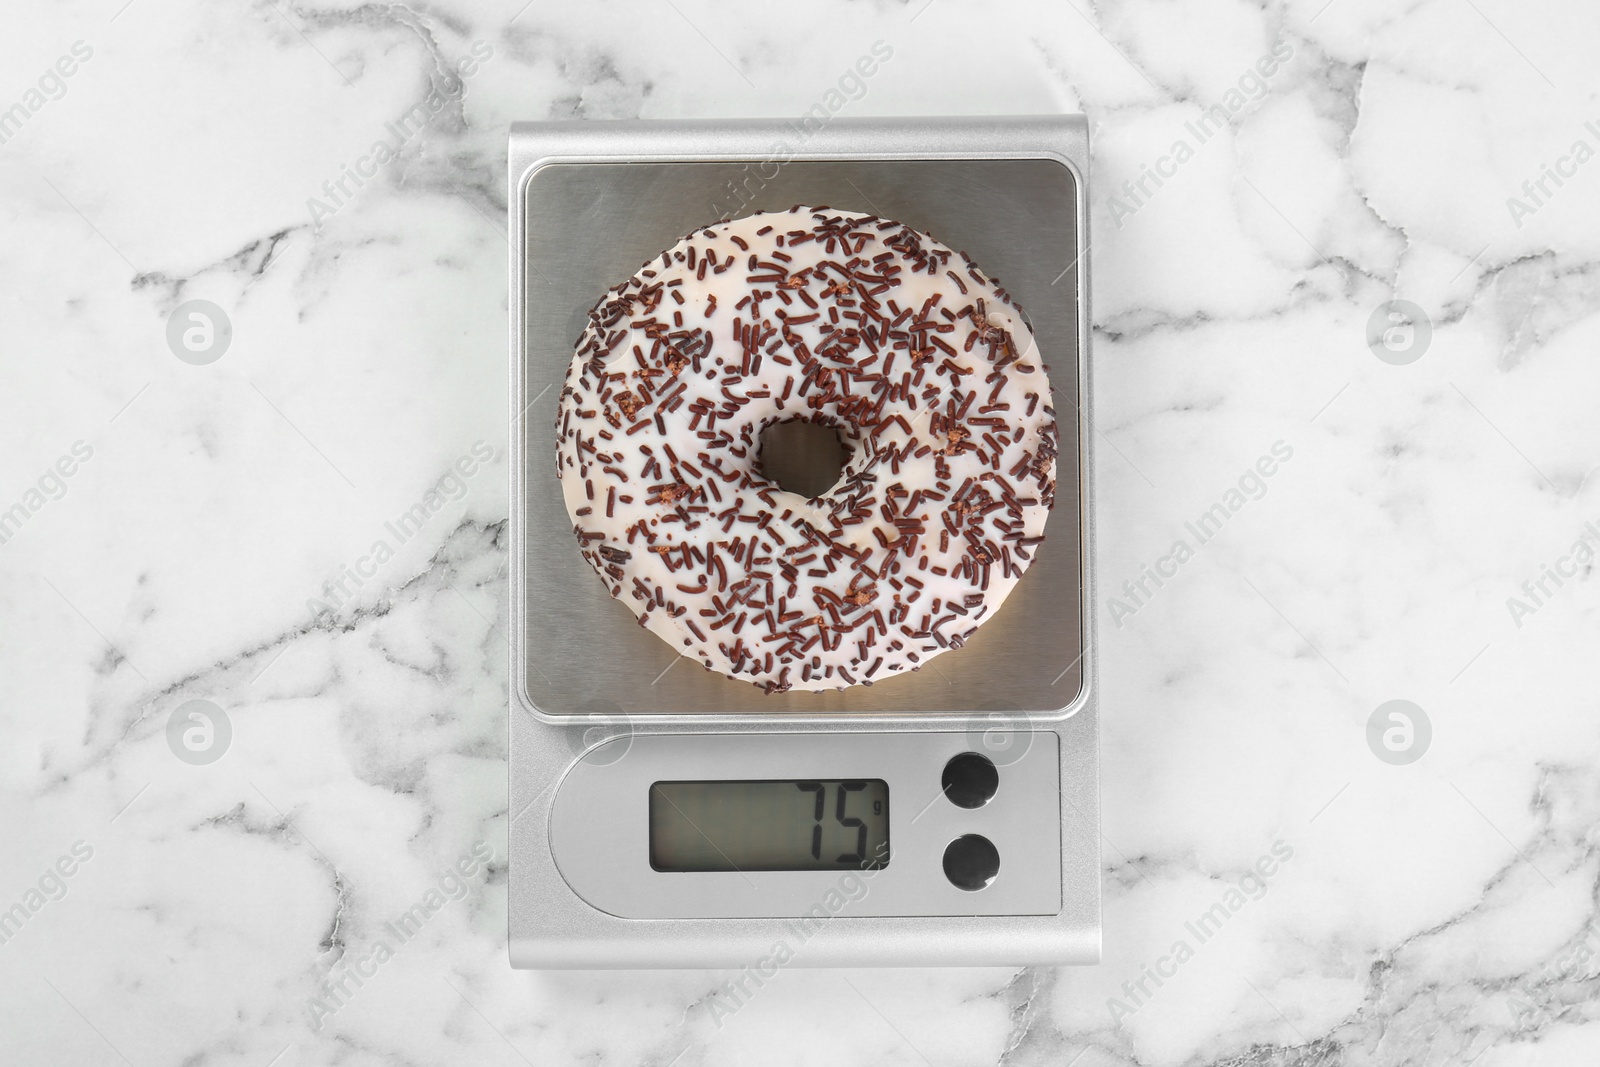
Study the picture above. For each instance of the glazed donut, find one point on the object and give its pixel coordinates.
(920, 362)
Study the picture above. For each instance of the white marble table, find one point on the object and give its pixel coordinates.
(167, 525)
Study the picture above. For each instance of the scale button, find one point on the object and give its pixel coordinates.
(971, 862)
(970, 780)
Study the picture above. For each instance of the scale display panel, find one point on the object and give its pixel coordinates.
(810, 824)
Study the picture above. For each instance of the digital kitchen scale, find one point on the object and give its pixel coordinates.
(666, 816)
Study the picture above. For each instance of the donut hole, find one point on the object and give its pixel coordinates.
(801, 456)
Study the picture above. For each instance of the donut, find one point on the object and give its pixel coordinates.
(921, 363)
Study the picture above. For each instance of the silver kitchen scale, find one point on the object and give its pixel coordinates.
(666, 816)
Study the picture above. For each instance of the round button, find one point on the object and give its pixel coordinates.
(971, 862)
(970, 780)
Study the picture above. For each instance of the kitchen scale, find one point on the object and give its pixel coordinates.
(666, 816)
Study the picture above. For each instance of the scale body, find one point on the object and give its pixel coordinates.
(615, 738)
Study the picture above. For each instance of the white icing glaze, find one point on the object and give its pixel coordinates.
(923, 365)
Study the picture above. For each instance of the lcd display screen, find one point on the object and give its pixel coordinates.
(791, 825)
